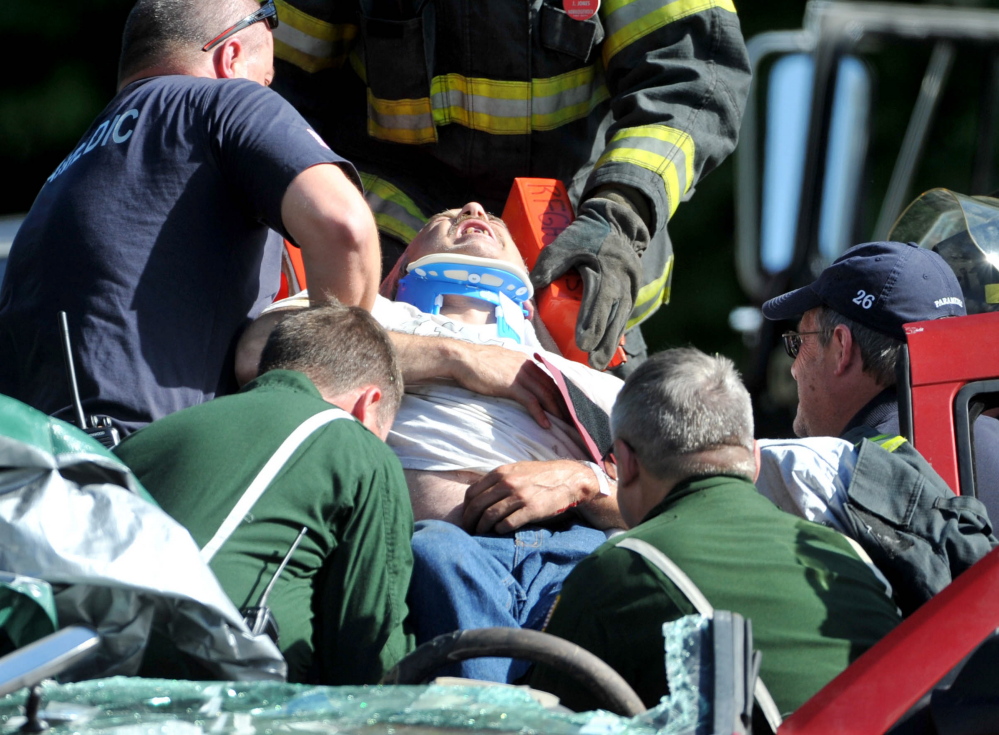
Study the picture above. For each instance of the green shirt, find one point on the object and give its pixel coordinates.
(814, 605)
(342, 595)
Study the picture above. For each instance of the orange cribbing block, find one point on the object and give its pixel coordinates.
(536, 211)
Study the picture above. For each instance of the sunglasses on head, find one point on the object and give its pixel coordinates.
(268, 12)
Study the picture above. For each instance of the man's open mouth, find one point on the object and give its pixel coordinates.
(472, 226)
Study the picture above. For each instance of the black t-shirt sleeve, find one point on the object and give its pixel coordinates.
(263, 143)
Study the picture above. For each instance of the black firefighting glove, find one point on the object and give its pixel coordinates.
(604, 244)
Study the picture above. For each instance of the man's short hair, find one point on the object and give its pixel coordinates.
(679, 403)
(157, 29)
(878, 352)
(339, 348)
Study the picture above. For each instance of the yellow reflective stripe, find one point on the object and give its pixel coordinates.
(308, 42)
(304, 61)
(566, 115)
(501, 108)
(894, 443)
(553, 86)
(622, 33)
(488, 105)
(653, 156)
(401, 121)
(395, 212)
(320, 29)
(885, 441)
(393, 108)
(570, 86)
(992, 293)
(673, 136)
(492, 106)
(664, 167)
(651, 296)
(401, 135)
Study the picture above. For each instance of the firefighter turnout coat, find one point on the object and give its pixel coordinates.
(441, 102)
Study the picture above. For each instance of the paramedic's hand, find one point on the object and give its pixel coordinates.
(604, 244)
(514, 495)
(488, 370)
(491, 370)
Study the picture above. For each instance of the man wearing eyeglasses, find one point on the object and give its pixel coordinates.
(160, 234)
(850, 335)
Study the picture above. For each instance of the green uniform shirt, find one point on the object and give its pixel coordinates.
(342, 595)
(814, 605)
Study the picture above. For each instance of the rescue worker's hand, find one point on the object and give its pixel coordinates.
(513, 495)
(489, 370)
(604, 244)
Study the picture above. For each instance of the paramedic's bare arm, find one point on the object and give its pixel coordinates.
(513, 495)
(485, 369)
(329, 219)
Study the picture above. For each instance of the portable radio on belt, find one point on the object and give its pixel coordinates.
(536, 212)
(259, 619)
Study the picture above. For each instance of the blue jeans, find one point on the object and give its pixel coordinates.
(462, 581)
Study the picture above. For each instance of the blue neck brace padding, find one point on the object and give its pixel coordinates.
(506, 287)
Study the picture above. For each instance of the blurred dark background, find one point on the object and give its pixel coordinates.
(61, 58)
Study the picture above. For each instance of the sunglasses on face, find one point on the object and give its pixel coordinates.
(792, 341)
(268, 12)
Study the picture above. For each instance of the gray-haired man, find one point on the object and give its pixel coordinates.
(683, 431)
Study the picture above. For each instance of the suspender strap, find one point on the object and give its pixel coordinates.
(686, 585)
(266, 475)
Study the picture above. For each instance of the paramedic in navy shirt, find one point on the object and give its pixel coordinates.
(160, 233)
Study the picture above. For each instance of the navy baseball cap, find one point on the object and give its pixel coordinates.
(881, 285)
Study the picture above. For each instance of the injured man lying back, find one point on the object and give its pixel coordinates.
(507, 495)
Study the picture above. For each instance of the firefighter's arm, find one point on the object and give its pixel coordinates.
(327, 217)
(678, 81)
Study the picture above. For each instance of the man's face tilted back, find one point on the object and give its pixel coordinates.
(466, 231)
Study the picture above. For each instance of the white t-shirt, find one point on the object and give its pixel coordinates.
(441, 426)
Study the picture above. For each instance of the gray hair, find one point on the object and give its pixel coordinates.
(680, 403)
(878, 352)
(340, 348)
(159, 29)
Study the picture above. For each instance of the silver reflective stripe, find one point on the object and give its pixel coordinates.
(393, 217)
(667, 152)
(266, 475)
(554, 103)
(669, 144)
(303, 42)
(686, 585)
(629, 13)
(452, 96)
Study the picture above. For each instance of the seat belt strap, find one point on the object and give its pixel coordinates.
(693, 593)
(266, 475)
